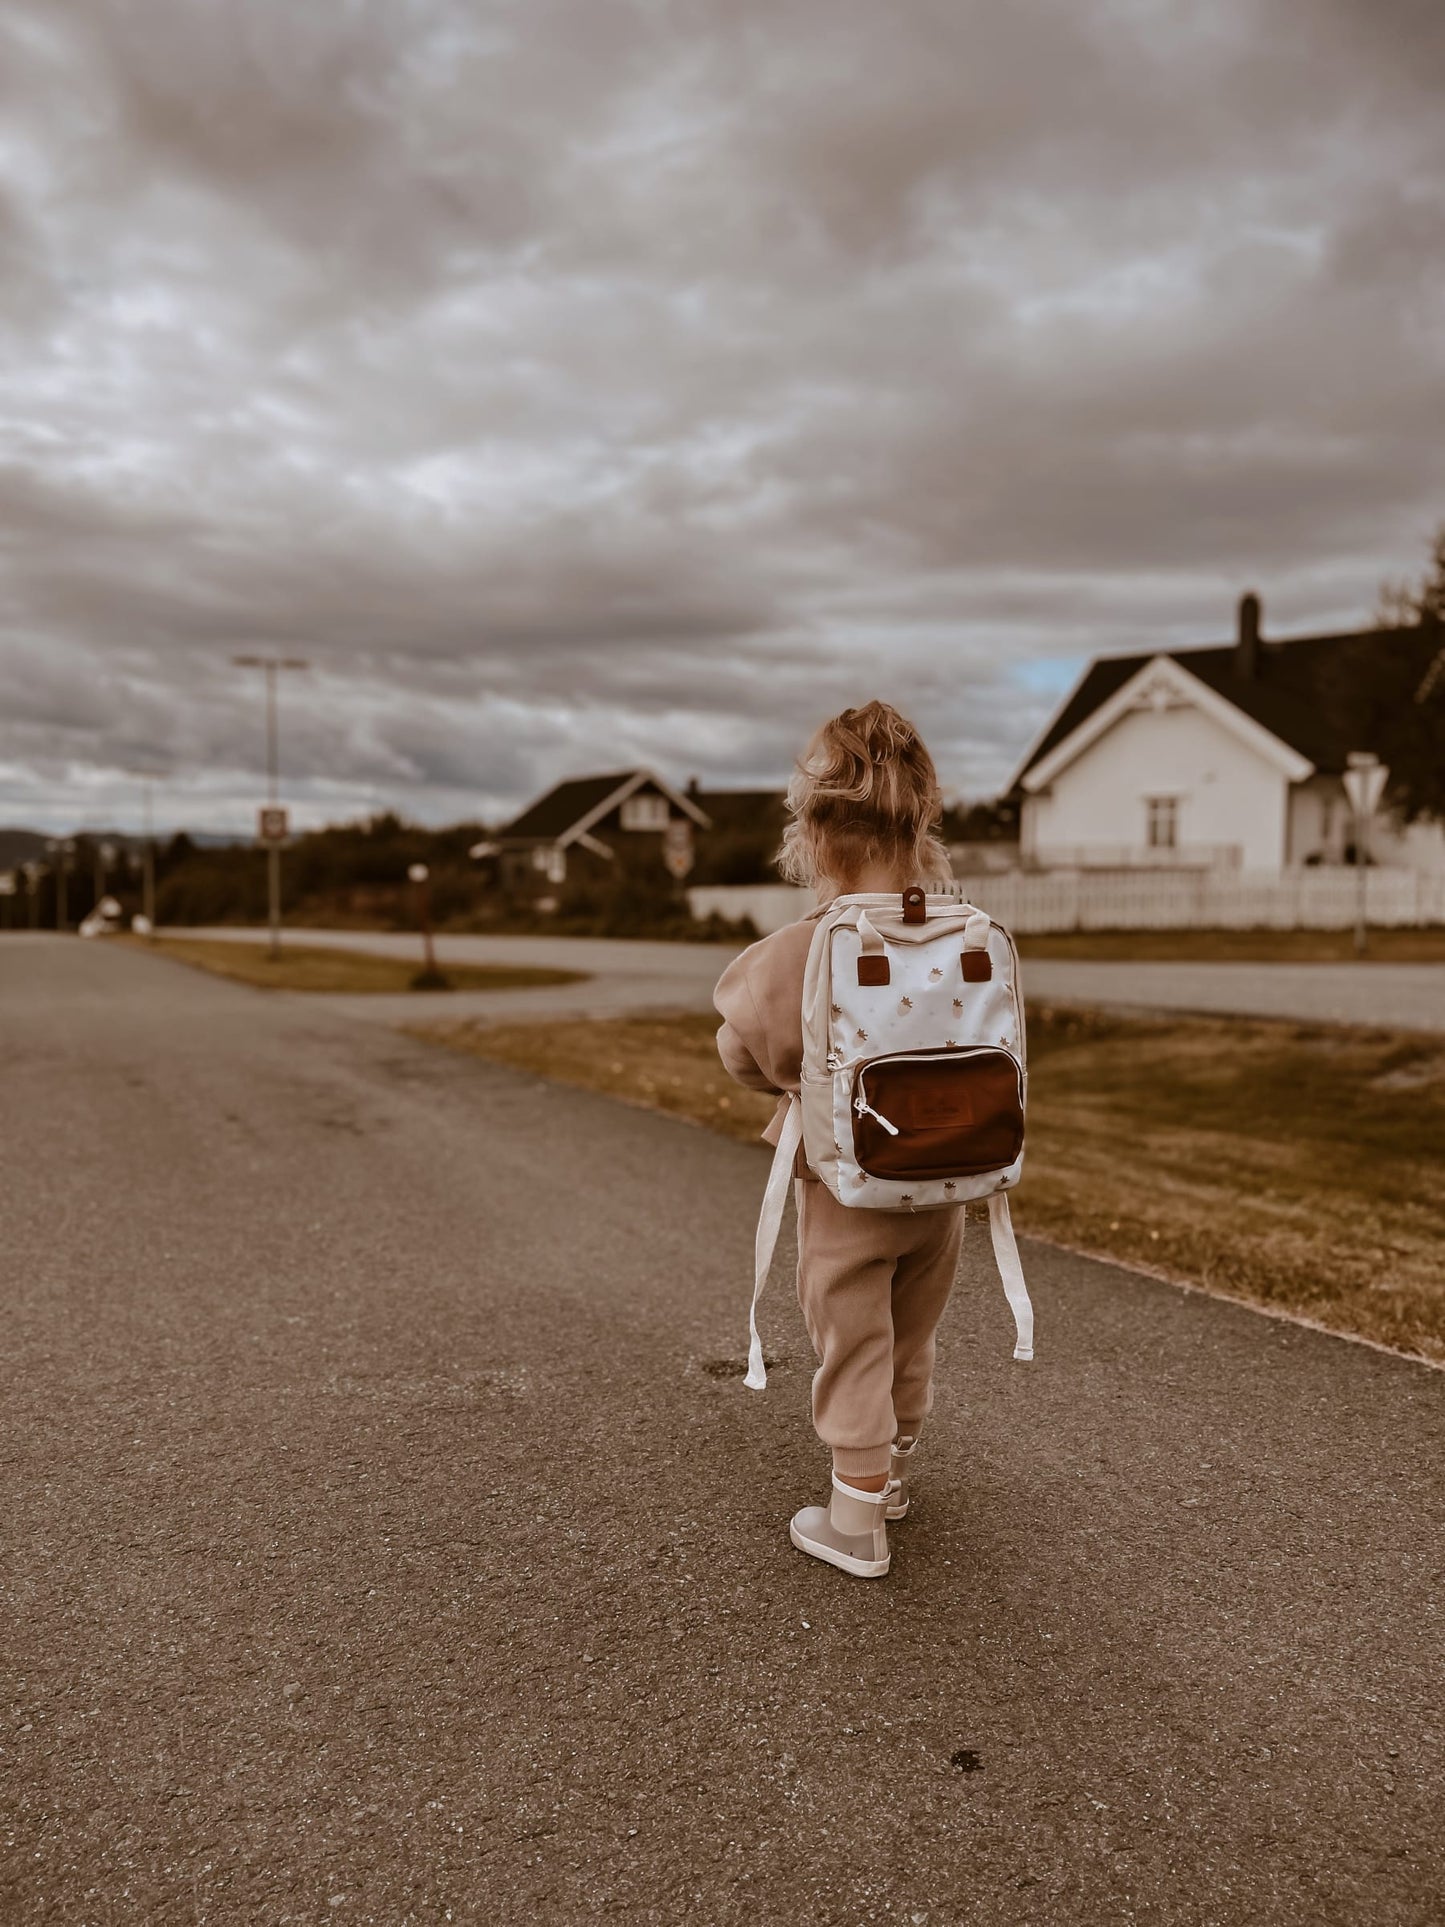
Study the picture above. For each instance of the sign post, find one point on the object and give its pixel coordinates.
(1365, 780)
(677, 848)
(429, 977)
(271, 834)
(272, 665)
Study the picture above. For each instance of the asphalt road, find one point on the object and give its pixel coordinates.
(387, 1541)
(635, 976)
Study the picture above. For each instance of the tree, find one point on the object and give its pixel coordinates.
(1387, 692)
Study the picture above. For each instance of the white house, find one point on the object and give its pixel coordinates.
(1204, 758)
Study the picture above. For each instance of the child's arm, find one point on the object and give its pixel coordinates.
(760, 1000)
(739, 1063)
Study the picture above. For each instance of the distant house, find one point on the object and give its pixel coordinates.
(587, 824)
(747, 828)
(1203, 758)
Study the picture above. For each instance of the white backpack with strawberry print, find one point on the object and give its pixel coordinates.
(913, 1080)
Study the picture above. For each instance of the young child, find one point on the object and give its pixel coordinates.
(865, 805)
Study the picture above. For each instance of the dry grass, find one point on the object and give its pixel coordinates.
(313, 967)
(1289, 1165)
(1233, 946)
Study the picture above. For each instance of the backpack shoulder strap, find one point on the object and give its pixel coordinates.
(1006, 1254)
(770, 1222)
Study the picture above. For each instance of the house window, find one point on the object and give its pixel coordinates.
(551, 861)
(1162, 832)
(644, 813)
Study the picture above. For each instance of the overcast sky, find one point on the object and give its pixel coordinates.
(579, 383)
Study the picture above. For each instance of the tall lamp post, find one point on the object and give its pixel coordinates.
(105, 855)
(273, 817)
(148, 855)
(62, 849)
(1365, 780)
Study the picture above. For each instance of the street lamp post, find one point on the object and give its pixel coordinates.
(63, 849)
(105, 854)
(273, 830)
(148, 778)
(148, 872)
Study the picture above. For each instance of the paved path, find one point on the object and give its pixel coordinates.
(386, 1541)
(632, 976)
(622, 976)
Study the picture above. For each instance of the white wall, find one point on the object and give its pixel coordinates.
(1420, 846)
(770, 905)
(1320, 824)
(1228, 794)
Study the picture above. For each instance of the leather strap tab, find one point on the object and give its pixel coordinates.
(873, 962)
(915, 905)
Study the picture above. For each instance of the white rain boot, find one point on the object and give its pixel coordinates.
(849, 1532)
(900, 1461)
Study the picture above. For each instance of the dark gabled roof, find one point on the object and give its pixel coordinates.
(1289, 695)
(574, 801)
(554, 814)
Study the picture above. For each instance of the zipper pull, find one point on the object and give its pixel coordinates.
(865, 1109)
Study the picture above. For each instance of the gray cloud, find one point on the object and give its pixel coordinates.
(575, 383)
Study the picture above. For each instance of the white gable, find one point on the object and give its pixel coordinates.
(1166, 771)
(1162, 684)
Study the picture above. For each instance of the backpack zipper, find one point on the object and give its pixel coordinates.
(865, 1109)
(860, 1098)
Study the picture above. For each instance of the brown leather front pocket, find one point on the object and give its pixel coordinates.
(955, 1113)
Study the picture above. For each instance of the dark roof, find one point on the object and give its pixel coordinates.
(741, 809)
(554, 814)
(1289, 695)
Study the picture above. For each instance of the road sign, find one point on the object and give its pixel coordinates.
(271, 824)
(677, 847)
(1365, 782)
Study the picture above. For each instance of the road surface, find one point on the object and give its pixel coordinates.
(388, 1539)
(634, 976)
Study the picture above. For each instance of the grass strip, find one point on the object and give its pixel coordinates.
(313, 967)
(1289, 1165)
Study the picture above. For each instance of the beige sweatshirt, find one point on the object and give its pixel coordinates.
(760, 998)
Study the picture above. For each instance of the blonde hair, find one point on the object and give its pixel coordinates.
(864, 791)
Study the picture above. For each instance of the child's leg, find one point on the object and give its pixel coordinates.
(845, 1275)
(922, 1282)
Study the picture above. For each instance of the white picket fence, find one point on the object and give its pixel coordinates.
(1315, 899)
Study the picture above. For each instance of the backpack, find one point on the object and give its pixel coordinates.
(913, 1081)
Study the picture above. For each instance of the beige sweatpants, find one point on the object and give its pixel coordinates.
(872, 1285)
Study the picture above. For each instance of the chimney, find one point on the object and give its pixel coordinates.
(1246, 648)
